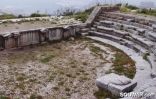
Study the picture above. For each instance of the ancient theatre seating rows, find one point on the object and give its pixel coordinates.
(134, 32)
(131, 31)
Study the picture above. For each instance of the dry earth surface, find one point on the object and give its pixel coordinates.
(63, 70)
(34, 23)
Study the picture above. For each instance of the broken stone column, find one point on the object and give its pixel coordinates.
(116, 83)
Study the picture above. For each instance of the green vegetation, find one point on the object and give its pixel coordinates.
(95, 49)
(20, 16)
(103, 94)
(145, 56)
(7, 16)
(124, 65)
(147, 11)
(47, 58)
(129, 8)
(38, 15)
(4, 97)
(12, 16)
(20, 78)
(78, 15)
(124, 9)
(83, 15)
(34, 96)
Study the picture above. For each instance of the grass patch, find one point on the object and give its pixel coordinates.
(67, 89)
(4, 97)
(21, 77)
(47, 58)
(82, 16)
(21, 86)
(95, 49)
(61, 83)
(20, 57)
(145, 56)
(34, 96)
(56, 88)
(124, 65)
(103, 94)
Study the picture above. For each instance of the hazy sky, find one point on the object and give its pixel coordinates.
(29, 6)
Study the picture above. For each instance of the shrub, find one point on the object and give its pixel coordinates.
(37, 15)
(103, 94)
(7, 16)
(82, 16)
(132, 7)
(145, 56)
(147, 11)
(20, 16)
(124, 9)
(119, 5)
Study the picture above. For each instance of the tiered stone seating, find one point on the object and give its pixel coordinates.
(137, 33)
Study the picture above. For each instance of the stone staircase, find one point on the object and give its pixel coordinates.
(133, 32)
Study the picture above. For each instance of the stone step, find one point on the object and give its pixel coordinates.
(138, 31)
(122, 41)
(125, 22)
(144, 42)
(96, 23)
(85, 30)
(105, 36)
(85, 34)
(152, 36)
(128, 18)
(93, 29)
(112, 31)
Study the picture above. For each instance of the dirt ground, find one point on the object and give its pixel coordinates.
(35, 24)
(63, 70)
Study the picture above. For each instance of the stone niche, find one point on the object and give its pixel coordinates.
(116, 83)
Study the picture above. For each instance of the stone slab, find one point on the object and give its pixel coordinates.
(116, 83)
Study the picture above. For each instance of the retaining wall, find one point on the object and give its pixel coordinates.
(38, 36)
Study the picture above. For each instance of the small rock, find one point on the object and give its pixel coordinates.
(72, 39)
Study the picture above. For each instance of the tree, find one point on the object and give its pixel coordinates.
(20, 16)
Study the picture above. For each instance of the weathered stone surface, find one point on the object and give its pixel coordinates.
(93, 15)
(116, 83)
(148, 89)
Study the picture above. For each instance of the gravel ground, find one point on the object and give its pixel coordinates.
(36, 23)
(57, 71)
(64, 70)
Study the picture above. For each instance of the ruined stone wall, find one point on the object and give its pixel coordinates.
(38, 36)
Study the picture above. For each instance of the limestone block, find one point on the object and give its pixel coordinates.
(115, 83)
(148, 90)
(154, 28)
(43, 30)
